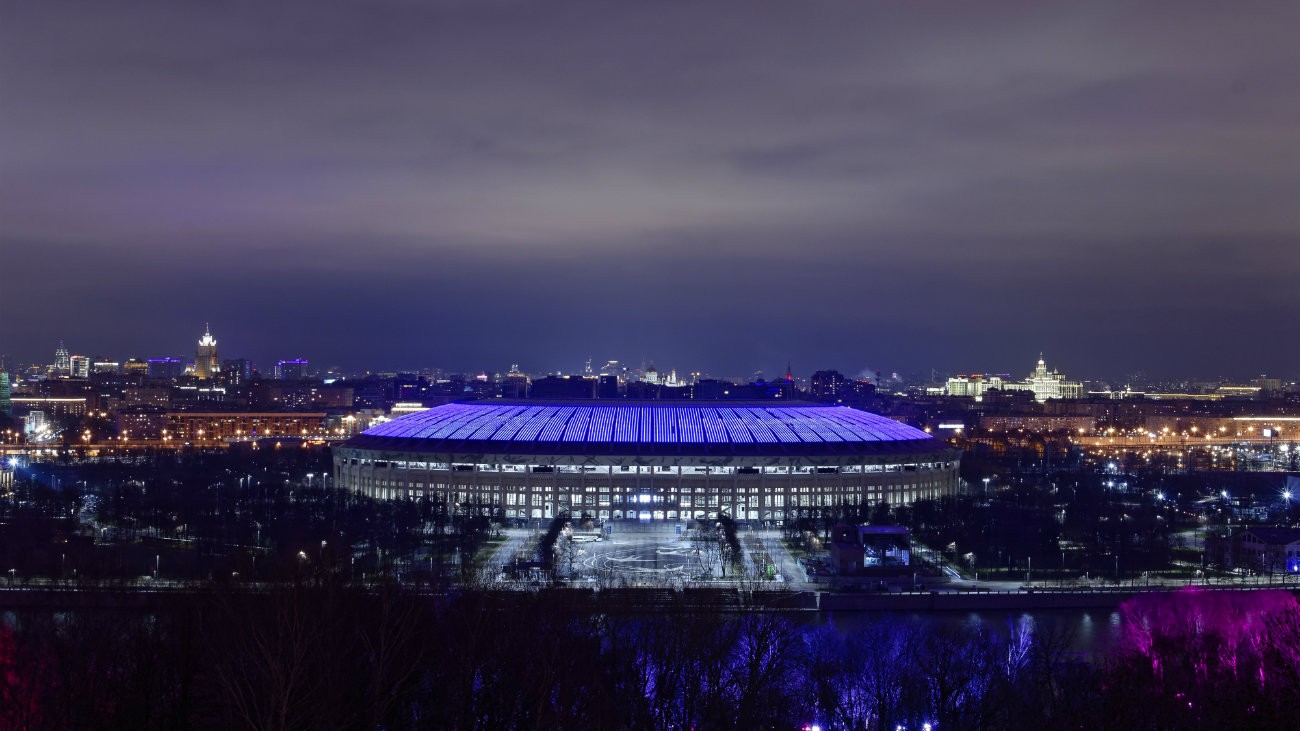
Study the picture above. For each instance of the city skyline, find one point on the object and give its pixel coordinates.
(607, 364)
(270, 368)
(869, 188)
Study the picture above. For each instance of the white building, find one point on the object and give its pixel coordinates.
(973, 385)
(1048, 384)
(1043, 383)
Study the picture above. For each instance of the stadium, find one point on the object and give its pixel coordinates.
(647, 461)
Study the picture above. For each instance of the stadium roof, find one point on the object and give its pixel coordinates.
(651, 428)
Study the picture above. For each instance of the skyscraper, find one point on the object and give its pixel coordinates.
(206, 364)
(291, 370)
(62, 361)
(6, 403)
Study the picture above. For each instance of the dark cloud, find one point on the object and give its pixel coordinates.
(724, 187)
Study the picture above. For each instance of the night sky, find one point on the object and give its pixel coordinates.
(893, 186)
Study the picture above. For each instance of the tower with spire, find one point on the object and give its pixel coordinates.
(62, 361)
(206, 365)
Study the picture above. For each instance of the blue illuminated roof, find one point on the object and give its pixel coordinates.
(645, 428)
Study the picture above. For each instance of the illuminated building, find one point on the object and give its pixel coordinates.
(648, 460)
(166, 368)
(62, 361)
(79, 366)
(51, 405)
(6, 406)
(206, 365)
(152, 395)
(1043, 383)
(973, 385)
(1038, 423)
(291, 370)
(402, 408)
(236, 372)
(515, 384)
(827, 385)
(35, 423)
(1048, 384)
(858, 547)
(300, 395)
(1267, 385)
(179, 427)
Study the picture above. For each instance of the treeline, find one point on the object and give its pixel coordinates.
(324, 657)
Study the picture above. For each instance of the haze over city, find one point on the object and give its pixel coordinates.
(726, 187)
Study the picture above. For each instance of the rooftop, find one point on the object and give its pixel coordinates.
(646, 427)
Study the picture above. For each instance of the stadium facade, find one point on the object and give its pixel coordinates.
(647, 461)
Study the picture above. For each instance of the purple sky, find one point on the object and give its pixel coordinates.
(895, 186)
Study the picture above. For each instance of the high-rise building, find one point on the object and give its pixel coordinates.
(236, 372)
(62, 361)
(291, 370)
(515, 384)
(166, 368)
(35, 423)
(206, 364)
(6, 403)
(828, 385)
(79, 366)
